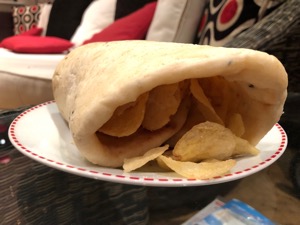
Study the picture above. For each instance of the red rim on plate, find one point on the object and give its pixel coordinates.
(117, 175)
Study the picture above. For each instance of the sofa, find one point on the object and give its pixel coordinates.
(29, 57)
(26, 70)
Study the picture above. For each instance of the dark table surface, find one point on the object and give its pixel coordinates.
(32, 193)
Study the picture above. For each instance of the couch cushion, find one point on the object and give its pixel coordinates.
(98, 15)
(29, 65)
(18, 90)
(26, 17)
(29, 82)
(223, 20)
(65, 16)
(175, 21)
(131, 27)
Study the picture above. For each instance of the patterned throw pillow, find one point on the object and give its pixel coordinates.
(222, 20)
(26, 17)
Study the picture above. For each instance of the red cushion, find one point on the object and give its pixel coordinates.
(36, 44)
(131, 27)
(34, 31)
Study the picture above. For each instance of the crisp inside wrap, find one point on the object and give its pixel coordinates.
(123, 98)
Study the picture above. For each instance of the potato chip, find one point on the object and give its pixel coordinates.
(202, 170)
(205, 141)
(236, 124)
(243, 148)
(162, 103)
(194, 117)
(134, 163)
(184, 88)
(161, 163)
(221, 94)
(126, 119)
(203, 103)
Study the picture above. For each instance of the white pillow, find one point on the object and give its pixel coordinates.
(176, 21)
(44, 18)
(98, 15)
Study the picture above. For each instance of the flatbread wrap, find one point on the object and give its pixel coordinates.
(122, 98)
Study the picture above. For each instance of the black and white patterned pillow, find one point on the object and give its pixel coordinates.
(222, 20)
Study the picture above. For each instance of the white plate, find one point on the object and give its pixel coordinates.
(41, 134)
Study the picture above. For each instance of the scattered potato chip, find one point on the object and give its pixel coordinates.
(162, 103)
(134, 163)
(202, 170)
(205, 141)
(236, 124)
(161, 163)
(126, 119)
(243, 147)
(203, 103)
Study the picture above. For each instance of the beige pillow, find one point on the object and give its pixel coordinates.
(175, 21)
(44, 18)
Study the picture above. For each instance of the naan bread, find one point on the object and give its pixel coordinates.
(99, 80)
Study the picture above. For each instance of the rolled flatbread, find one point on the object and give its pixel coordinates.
(122, 98)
